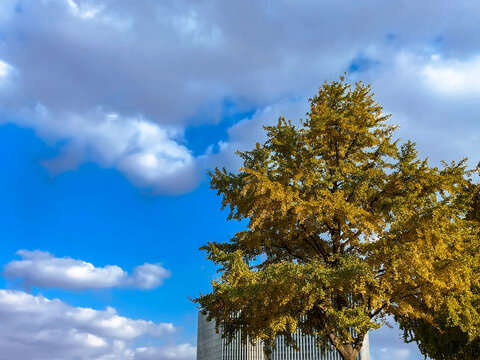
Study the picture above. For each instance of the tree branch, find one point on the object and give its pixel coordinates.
(315, 244)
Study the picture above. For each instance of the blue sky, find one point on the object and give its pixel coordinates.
(111, 113)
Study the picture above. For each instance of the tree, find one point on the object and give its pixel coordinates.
(442, 339)
(344, 228)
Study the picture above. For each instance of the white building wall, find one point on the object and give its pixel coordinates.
(211, 346)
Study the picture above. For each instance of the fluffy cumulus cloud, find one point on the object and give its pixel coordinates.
(118, 82)
(454, 77)
(37, 328)
(42, 269)
(149, 154)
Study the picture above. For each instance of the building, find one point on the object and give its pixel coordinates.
(211, 346)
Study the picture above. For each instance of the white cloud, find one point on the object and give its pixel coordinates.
(85, 11)
(37, 328)
(149, 154)
(176, 352)
(7, 77)
(4, 69)
(453, 76)
(42, 269)
(148, 276)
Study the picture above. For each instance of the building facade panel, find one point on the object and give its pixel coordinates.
(211, 346)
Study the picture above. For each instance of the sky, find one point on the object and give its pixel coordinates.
(112, 111)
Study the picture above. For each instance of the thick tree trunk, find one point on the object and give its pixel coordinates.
(348, 351)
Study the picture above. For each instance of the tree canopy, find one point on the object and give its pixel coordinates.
(440, 341)
(345, 227)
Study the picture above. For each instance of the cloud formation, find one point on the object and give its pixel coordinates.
(454, 77)
(42, 329)
(145, 152)
(119, 82)
(434, 100)
(42, 269)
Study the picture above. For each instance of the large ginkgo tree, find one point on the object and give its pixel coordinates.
(345, 226)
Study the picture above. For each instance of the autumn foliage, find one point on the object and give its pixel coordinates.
(345, 226)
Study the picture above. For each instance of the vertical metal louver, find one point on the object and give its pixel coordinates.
(211, 346)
